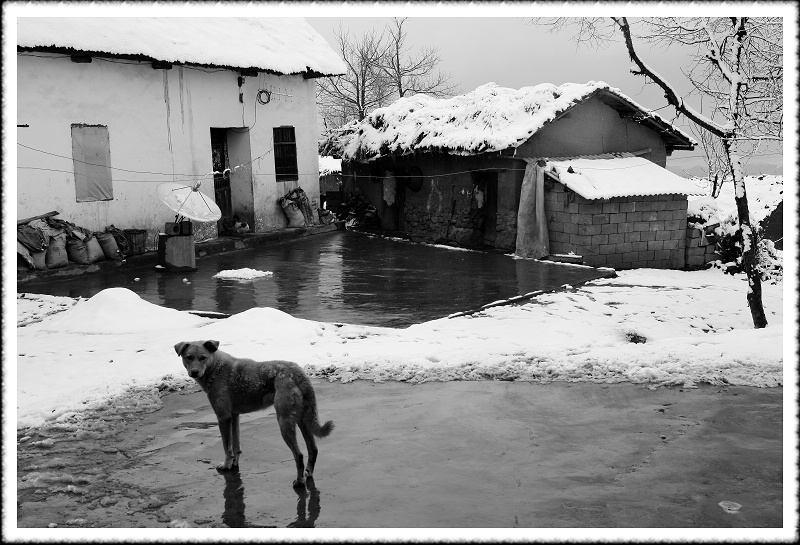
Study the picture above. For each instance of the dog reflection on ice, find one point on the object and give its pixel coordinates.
(238, 385)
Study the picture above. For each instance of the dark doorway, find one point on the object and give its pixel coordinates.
(486, 182)
(222, 179)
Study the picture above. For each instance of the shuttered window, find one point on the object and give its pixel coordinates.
(285, 153)
(91, 160)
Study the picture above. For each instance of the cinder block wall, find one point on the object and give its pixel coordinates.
(700, 248)
(622, 232)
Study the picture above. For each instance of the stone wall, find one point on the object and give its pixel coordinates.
(622, 232)
(445, 212)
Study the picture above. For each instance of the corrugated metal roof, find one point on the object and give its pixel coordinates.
(618, 175)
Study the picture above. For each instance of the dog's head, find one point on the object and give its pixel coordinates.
(197, 356)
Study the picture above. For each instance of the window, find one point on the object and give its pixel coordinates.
(91, 160)
(285, 153)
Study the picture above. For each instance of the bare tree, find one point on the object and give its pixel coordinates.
(409, 74)
(379, 69)
(736, 66)
(362, 89)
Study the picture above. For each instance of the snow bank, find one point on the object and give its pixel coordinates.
(118, 310)
(646, 326)
(283, 44)
(33, 307)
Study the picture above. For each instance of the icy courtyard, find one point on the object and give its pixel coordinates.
(646, 326)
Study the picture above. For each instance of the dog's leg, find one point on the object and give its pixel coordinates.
(311, 448)
(287, 426)
(225, 425)
(236, 449)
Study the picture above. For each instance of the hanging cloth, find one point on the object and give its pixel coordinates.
(532, 237)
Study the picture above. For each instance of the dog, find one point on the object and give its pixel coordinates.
(238, 385)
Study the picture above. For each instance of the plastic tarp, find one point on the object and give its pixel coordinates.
(532, 236)
(91, 157)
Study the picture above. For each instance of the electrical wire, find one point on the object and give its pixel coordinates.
(188, 182)
(243, 165)
(249, 163)
(112, 168)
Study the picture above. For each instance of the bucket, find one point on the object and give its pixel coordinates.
(94, 250)
(77, 252)
(137, 239)
(57, 252)
(109, 245)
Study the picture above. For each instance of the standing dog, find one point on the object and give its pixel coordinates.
(237, 385)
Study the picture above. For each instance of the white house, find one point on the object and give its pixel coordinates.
(109, 108)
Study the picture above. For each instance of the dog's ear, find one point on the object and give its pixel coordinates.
(211, 346)
(180, 347)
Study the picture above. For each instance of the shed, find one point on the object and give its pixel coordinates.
(463, 170)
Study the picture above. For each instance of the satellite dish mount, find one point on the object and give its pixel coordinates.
(176, 244)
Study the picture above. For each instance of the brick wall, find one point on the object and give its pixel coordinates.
(622, 232)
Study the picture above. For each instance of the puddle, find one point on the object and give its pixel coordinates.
(340, 277)
(196, 425)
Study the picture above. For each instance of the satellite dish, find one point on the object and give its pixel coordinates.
(187, 202)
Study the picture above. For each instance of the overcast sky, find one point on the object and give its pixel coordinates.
(512, 52)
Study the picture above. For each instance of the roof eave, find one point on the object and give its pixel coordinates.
(307, 74)
(671, 137)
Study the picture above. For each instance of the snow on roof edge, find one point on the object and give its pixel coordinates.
(283, 45)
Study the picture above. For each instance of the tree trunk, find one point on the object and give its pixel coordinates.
(748, 238)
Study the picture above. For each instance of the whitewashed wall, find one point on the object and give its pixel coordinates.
(158, 122)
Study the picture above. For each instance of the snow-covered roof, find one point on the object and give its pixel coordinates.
(490, 118)
(618, 175)
(281, 45)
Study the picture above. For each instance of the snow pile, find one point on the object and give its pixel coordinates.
(329, 165)
(490, 118)
(646, 326)
(764, 193)
(242, 274)
(604, 177)
(284, 45)
(117, 310)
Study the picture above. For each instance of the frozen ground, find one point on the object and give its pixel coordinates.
(646, 326)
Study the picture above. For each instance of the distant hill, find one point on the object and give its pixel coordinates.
(753, 168)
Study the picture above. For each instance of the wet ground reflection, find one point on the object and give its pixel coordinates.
(233, 516)
(306, 514)
(336, 277)
(308, 504)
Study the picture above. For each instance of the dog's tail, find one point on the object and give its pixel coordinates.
(310, 409)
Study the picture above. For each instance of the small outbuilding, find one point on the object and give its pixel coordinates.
(574, 170)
